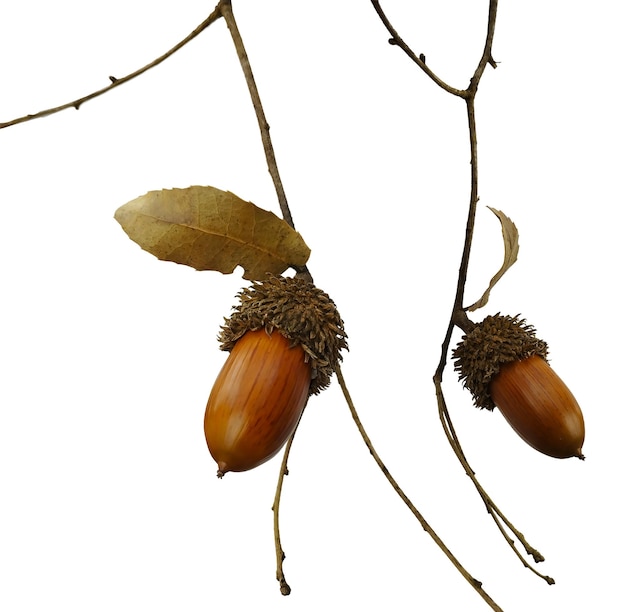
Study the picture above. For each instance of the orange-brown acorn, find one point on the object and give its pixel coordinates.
(284, 339)
(503, 364)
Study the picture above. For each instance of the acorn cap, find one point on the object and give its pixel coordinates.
(495, 341)
(301, 312)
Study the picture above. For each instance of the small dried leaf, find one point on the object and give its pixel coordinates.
(510, 236)
(210, 229)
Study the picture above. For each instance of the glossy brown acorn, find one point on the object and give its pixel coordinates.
(256, 401)
(539, 407)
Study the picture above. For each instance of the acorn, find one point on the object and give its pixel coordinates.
(284, 339)
(504, 364)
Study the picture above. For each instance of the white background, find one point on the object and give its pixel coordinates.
(109, 499)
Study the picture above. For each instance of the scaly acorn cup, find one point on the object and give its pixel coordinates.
(284, 339)
(503, 364)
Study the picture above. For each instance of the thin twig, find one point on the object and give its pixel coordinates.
(116, 82)
(285, 589)
(470, 98)
(227, 13)
(419, 60)
(496, 514)
(476, 584)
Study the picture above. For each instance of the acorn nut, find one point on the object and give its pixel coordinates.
(284, 340)
(504, 364)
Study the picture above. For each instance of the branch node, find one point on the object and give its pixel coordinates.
(461, 320)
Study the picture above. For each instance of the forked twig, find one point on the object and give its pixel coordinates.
(459, 317)
(497, 515)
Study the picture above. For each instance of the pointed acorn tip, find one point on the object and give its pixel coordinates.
(222, 468)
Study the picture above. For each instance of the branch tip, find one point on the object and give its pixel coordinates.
(285, 589)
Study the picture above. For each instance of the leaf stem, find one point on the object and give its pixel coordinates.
(116, 82)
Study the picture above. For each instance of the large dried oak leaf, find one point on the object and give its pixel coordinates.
(210, 229)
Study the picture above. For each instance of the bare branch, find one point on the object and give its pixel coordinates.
(419, 60)
(285, 589)
(116, 82)
(476, 584)
(459, 316)
(227, 13)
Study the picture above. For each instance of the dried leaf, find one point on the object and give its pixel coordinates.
(510, 236)
(210, 229)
